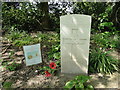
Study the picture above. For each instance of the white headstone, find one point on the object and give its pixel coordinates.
(32, 54)
(74, 40)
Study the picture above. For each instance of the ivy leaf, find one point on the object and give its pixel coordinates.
(82, 78)
(108, 24)
(90, 87)
(56, 55)
(79, 86)
(69, 84)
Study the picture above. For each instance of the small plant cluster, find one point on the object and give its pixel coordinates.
(78, 83)
(7, 84)
(101, 62)
(21, 38)
(11, 67)
(54, 53)
(50, 69)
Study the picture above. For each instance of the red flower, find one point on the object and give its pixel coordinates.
(52, 65)
(47, 74)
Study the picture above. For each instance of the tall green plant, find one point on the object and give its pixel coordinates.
(101, 62)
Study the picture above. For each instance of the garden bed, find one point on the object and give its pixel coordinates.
(28, 77)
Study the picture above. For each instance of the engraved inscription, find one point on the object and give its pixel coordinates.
(83, 39)
(74, 28)
(73, 41)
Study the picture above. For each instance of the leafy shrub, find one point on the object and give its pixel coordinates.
(101, 62)
(48, 38)
(55, 52)
(7, 84)
(79, 83)
(105, 40)
(52, 42)
(21, 15)
(15, 34)
(58, 63)
(20, 38)
(25, 41)
(42, 36)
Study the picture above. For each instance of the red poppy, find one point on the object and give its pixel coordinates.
(52, 65)
(47, 74)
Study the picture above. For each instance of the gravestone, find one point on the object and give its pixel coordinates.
(32, 54)
(74, 41)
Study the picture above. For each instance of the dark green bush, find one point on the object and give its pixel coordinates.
(54, 53)
(101, 62)
(105, 40)
(22, 16)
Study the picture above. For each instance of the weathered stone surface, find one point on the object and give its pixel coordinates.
(75, 38)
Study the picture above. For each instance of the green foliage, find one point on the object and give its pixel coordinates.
(101, 17)
(46, 68)
(11, 53)
(55, 52)
(22, 16)
(78, 83)
(20, 38)
(118, 41)
(4, 64)
(15, 34)
(25, 41)
(30, 17)
(101, 45)
(101, 62)
(7, 84)
(50, 70)
(12, 67)
(58, 63)
(107, 24)
(52, 42)
(105, 40)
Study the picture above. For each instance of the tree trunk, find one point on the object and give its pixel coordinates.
(114, 16)
(45, 12)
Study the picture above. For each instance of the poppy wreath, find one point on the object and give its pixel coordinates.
(52, 65)
(47, 74)
(50, 70)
